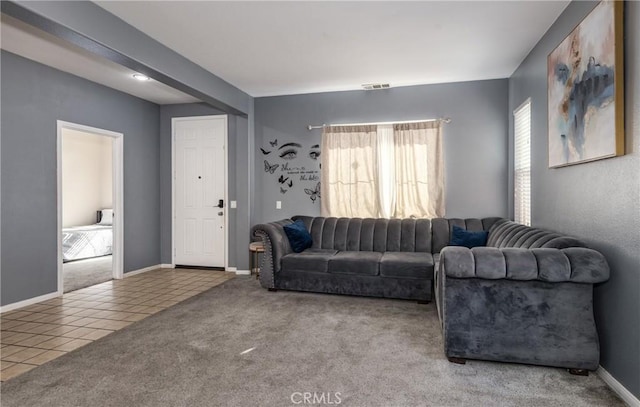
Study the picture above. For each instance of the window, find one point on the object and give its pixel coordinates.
(388, 171)
(522, 164)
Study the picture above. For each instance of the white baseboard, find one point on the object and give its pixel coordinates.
(30, 301)
(142, 270)
(618, 388)
(167, 266)
(238, 272)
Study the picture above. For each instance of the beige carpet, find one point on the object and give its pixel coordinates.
(373, 352)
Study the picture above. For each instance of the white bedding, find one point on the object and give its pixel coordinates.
(83, 242)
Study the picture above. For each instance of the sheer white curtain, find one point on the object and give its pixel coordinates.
(419, 170)
(349, 173)
(386, 177)
(388, 171)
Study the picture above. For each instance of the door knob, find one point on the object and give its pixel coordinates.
(221, 203)
(220, 213)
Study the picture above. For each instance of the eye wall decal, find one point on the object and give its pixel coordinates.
(290, 151)
(289, 154)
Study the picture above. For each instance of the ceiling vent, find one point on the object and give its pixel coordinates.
(375, 86)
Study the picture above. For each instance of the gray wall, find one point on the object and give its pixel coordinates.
(598, 201)
(92, 21)
(33, 97)
(475, 142)
(238, 173)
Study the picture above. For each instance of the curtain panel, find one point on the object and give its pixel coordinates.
(349, 186)
(385, 171)
(419, 170)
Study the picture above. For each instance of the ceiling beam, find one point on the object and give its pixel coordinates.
(185, 73)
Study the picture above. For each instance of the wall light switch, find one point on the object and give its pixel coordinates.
(234, 204)
(278, 204)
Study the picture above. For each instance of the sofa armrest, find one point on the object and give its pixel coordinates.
(576, 264)
(276, 246)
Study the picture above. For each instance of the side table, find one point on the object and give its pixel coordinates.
(255, 248)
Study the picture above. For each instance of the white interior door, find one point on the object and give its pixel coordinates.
(200, 202)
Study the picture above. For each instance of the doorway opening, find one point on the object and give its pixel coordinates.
(90, 200)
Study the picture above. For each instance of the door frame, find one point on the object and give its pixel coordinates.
(117, 195)
(175, 120)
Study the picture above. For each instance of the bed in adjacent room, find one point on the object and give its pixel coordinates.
(84, 242)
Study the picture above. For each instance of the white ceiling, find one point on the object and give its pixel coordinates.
(275, 48)
(29, 42)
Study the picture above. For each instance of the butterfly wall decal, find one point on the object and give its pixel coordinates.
(282, 179)
(313, 194)
(270, 168)
(274, 143)
(290, 183)
(265, 152)
(283, 191)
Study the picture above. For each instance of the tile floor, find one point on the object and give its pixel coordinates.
(41, 332)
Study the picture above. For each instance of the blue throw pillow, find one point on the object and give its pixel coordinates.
(298, 235)
(462, 237)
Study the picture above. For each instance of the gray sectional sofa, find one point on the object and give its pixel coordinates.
(526, 297)
(391, 258)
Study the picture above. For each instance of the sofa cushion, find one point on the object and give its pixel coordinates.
(310, 259)
(407, 265)
(365, 263)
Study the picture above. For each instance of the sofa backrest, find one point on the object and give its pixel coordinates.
(506, 233)
(377, 235)
(441, 229)
(424, 235)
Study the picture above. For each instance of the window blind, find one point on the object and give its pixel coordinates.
(522, 163)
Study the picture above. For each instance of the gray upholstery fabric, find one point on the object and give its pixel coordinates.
(276, 245)
(506, 233)
(587, 266)
(407, 265)
(310, 259)
(552, 265)
(525, 298)
(521, 264)
(489, 262)
(379, 235)
(354, 284)
(533, 322)
(458, 262)
(355, 263)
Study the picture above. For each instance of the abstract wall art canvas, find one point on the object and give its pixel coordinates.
(585, 90)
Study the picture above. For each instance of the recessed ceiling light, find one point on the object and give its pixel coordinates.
(141, 77)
